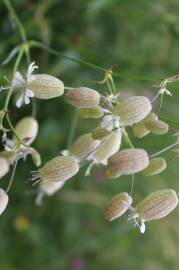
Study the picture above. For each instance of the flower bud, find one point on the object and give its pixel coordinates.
(36, 157)
(83, 97)
(118, 206)
(100, 133)
(157, 127)
(157, 205)
(58, 169)
(3, 200)
(4, 167)
(95, 112)
(139, 129)
(107, 148)
(156, 166)
(26, 129)
(126, 162)
(84, 146)
(46, 86)
(50, 188)
(10, 156)
(132, 110)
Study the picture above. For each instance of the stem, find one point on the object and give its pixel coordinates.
(16, 18)
(164, 150)
(12, 175)
(73, 128)
(132, 185)
(37, 44)
(14, 132)
(127, 137)
(7, 100)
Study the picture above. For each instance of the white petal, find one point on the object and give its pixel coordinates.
(29, 93)
(26, 99)
(18, 80)
(19, 101)
(30, 70)
(142, 227)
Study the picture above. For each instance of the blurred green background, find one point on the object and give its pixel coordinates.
(68, 231)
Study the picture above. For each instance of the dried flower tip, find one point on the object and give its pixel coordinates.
(83, 97)
(4, 167)
(3, 200)
(157, 127)
(118, 206)
(157, 205)
(100, 133)
(95, 112)
(139, 129)
(126, 162)
(26, 129)
(108, 148)
(49, 188)
(132, 110)
(58, 169)
(45, 86)
(84, 146)
(156, 166)
(10, 156)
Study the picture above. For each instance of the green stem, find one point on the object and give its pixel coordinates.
(14, 132)
(37, 44)
(127, 137)
(16, 18)
(164, 150)
(12, 175)
(7, 100)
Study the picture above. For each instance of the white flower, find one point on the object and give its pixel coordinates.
(19, 81)
(110, 122)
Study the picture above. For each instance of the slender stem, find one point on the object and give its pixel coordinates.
(16, 18)
(132, 184)
(14, 132)
(127, 137)
(12, 175)
(37, 44)
(73, 128)
(164, 150)
(7, 100)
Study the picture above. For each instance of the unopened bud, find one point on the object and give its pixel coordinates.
(157, 127)
(10, 156)
(83, 97)
(3, 200)
(139, 129)
(4, 167)
(46, 86)
(26, 129)
(95, 112)
(36, 157)
(108, 148)
(126, 162)
(157, 205)
(58, 169)
(118, 206)
(84, 146)
(156, 166)
(132, 110)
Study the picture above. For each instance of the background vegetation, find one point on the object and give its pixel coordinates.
(68, 231)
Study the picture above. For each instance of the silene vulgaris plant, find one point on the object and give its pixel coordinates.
(105, 145)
